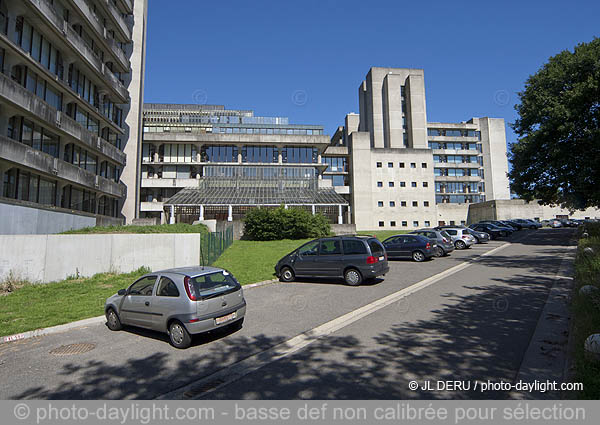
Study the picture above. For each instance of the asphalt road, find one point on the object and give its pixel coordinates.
(473, 324)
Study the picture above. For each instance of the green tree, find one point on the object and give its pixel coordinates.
(557, 156)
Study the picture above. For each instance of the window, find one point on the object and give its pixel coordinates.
(415, 204)
(353, 247)
(402, 184)
(167, 288)
(392, 203)
(379, 165)
(380, 203)
(379, 184)
(143, 286)
(391, 184)
(311, 248)
(402, 203)
(392, 224)
(401, 165)
(452, 224)
(381, 224)
(404, 224)
(415, 224)
(425, 184)
(424, 165)
(413, 184)
(214, 284)
(390, 165)
(425, 203)
(376, 247)
(413, 165)
(427, 224)
(330, 247)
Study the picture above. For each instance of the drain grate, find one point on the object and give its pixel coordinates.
(72, 349)
(203, 388)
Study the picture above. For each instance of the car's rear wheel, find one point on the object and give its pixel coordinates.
(352, 277)
(113, 321)
(287, 274)
(460, 245)
(438, 252)
(179, 336)
(418, 256)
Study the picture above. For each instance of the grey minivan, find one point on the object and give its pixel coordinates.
(181, 302)
(353, 258)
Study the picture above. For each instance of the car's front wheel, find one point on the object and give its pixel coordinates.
(460, 245)
(113, 321)
(287, 274)
(179, 336)
(418, 256)
(352, 277)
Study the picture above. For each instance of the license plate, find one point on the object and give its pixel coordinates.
(381, 258)
(226, 318)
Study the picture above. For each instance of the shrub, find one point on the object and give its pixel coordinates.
(263, 224)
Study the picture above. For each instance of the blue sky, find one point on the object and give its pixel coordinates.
(256, 55)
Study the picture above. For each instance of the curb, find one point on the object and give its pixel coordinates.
(89, 321)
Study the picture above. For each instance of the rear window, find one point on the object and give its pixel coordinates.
(376, 247)
(465, 232)
(215, 284)
(445, 234)
(352, 247)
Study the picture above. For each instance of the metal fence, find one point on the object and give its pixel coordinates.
(213, 244)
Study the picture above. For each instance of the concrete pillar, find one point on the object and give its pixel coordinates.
(340, 218)
(156, 156)
(312, 207)
(201, 216)
(172, 217)
(199, 153)
(280, 155)
(319, 158)
(163, 218)
(229, 213)
(285, 206)
(239, 158)
(349, 214)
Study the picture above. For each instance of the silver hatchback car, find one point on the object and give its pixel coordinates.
(461, 237)
(181, 302)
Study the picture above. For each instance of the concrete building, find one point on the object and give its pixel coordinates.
(205, 162)
(71, 87)
(401, 171)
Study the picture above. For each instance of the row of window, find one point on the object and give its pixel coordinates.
(458, 159)
(335, 163)
(214, 118)
(337, 180)
(401, 165)
(459, 199)
(402, 184)
(402, 204)
(26, 132)
(415, 223)
(26, 186)
(453, 132)
(459, 187)
(40, 49)
(269, 173)
(455, 145)
(80, 157)
(233, 130)
(37, 85)
(458, 172)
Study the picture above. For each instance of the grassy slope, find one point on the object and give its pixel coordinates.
(160, 228)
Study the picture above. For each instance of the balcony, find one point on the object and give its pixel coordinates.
(110, 44)
(46, 10)
(26, 101)
(115, 15)
(127, 5)
(26, 156)
(470, 179)
(170, 182)
(457, 165)
(473, 152)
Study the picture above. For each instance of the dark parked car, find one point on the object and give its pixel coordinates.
(441, 240)
(514, 224)
(480, 237)
(495, 232)
(499, 224)
(529, 224)
(353, 258)
(417, 247)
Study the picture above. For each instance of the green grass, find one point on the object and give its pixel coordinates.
(35, 306)
(586, 314)
(382, 234)
(159, 228)
(254, 261)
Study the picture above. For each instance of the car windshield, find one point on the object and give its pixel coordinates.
(215, 284)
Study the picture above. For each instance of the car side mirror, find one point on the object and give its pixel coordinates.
(121, 292)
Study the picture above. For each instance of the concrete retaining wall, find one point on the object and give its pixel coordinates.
(518, 208)
(21, 220)
(47, 258)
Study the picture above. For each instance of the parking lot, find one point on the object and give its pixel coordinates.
(473, 321)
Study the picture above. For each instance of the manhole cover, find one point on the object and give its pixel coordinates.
(72, 349)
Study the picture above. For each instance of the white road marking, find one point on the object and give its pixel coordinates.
(250, 364)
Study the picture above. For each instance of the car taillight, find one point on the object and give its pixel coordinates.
(428, 246)
(465, 236)
(372, 260)
(445, 240)
(190, 289)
